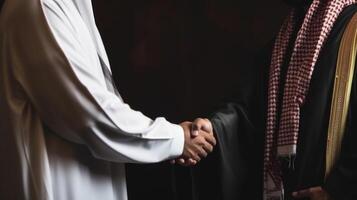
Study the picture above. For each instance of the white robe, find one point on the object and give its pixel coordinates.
(64, 135)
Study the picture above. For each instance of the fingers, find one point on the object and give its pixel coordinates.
(183, 162)
(199, 141)
(192, 161)
(310, 192)
(302, 193)
(209, 138)
(207, 147)
(201, 148)
(195, 154)
(201, 152)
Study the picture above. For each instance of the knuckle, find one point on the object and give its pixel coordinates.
(199, 121)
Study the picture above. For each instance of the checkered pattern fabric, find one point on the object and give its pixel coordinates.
(282, 137)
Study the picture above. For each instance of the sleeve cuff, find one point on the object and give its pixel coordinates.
(178, 141)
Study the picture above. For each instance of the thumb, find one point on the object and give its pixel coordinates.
(195, 130)
(200, 124)
(196, 127)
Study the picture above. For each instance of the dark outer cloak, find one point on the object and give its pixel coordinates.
(239, 126)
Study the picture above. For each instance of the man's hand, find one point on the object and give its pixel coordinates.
(201, 124)
(314, 193)
(200, 131)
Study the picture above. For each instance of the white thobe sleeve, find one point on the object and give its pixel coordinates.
(85, 112)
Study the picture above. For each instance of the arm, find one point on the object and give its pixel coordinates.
(65, 90)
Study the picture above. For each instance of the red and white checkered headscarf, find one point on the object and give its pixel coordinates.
(281, 138)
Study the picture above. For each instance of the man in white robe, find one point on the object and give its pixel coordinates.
(65, 133)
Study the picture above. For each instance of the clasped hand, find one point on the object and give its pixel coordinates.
(199, 141)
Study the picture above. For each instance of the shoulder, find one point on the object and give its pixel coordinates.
(19, 17)
(342, 22)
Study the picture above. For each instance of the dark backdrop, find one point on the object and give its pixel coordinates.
(179, 58)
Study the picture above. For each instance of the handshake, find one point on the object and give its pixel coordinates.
(199, 142)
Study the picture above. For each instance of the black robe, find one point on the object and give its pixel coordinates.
(240, 130)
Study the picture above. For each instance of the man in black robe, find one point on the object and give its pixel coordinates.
(241, 125)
